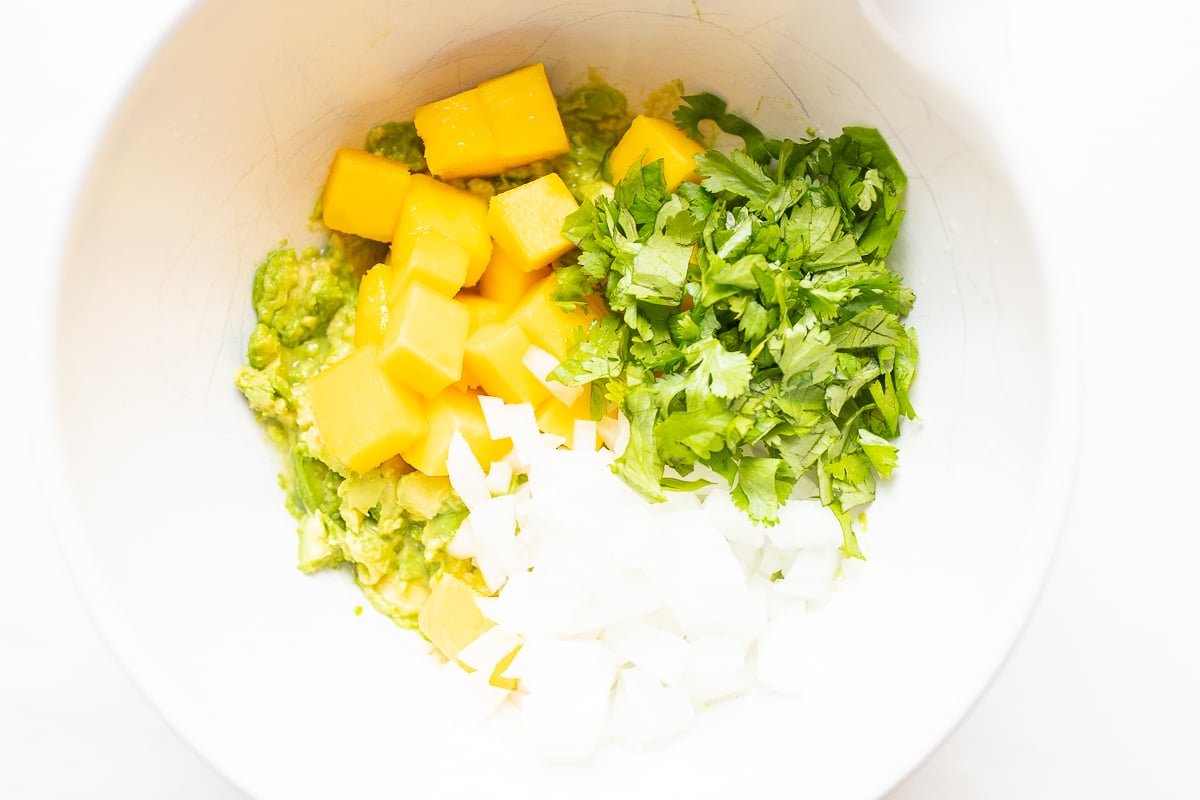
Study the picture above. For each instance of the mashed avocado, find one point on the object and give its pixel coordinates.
(390, 525)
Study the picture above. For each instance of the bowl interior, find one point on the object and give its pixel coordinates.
(170, 509)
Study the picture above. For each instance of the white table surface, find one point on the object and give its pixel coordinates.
(1101, 696)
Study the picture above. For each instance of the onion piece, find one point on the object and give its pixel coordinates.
(541, 364)
(488, 650)
(466, 476)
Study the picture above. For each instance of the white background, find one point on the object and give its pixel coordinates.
(1100, 698)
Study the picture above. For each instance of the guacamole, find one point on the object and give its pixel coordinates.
(390, 525)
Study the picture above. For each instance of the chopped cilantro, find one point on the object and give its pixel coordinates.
(756, 327)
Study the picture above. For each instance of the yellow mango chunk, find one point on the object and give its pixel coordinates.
(453, 410)
(458, 137)
(364, 194)
(495, 356)
(482, 310)
(498, 680)
(371, 316)
(459, 216)
(451, 620)
(526, 221)
(524, 118)
(555, 417)
(652, 139)
(547, 325)
(425, 339)
(505, 282)
(431, 259)
(363, 416)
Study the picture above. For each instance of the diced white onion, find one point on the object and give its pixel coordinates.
(489, 649)
(811, 574)
(783, 653)
(570, 686)
(466, 476)
(470, 697)
(614, 431)
(631, 615)
(499, 477)
(541, 364)
(515, 421)
(645, 710)
(463, 545)
(658, 652)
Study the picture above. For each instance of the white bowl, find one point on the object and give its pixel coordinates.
(171, 514)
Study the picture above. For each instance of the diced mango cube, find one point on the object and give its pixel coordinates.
(450, 411)
(505, 282)
(431, 259)
(461, 217)
(524, 116)
(652, 139)
(451, 618)
(498, 680)
(482, 309)
(527, 221)
(371, 316)
(555, 417)
(459, 140)
(495, 355)
(503, 122)
(545, 323)
(364, 194)
(363, 416)
(425, 339)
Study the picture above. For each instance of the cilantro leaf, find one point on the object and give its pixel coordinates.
(717, 371)
(753, 321)
(598, 356)
(723, 279)
(882, 453)
(640, 465)
(850, 546)
(642, 191)
(880, 157)
(905, 371)
(658, 272)
(801, 350)
(802, 451)
(872, 328)
(697, 108)
(685, 437)
(737, 174)
(816, 239)
(880, 235)
(846, 479)
(762, 487)
(680, 485)
(756, 327)
(883, 392)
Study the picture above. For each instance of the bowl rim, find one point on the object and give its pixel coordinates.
(1057, 483)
